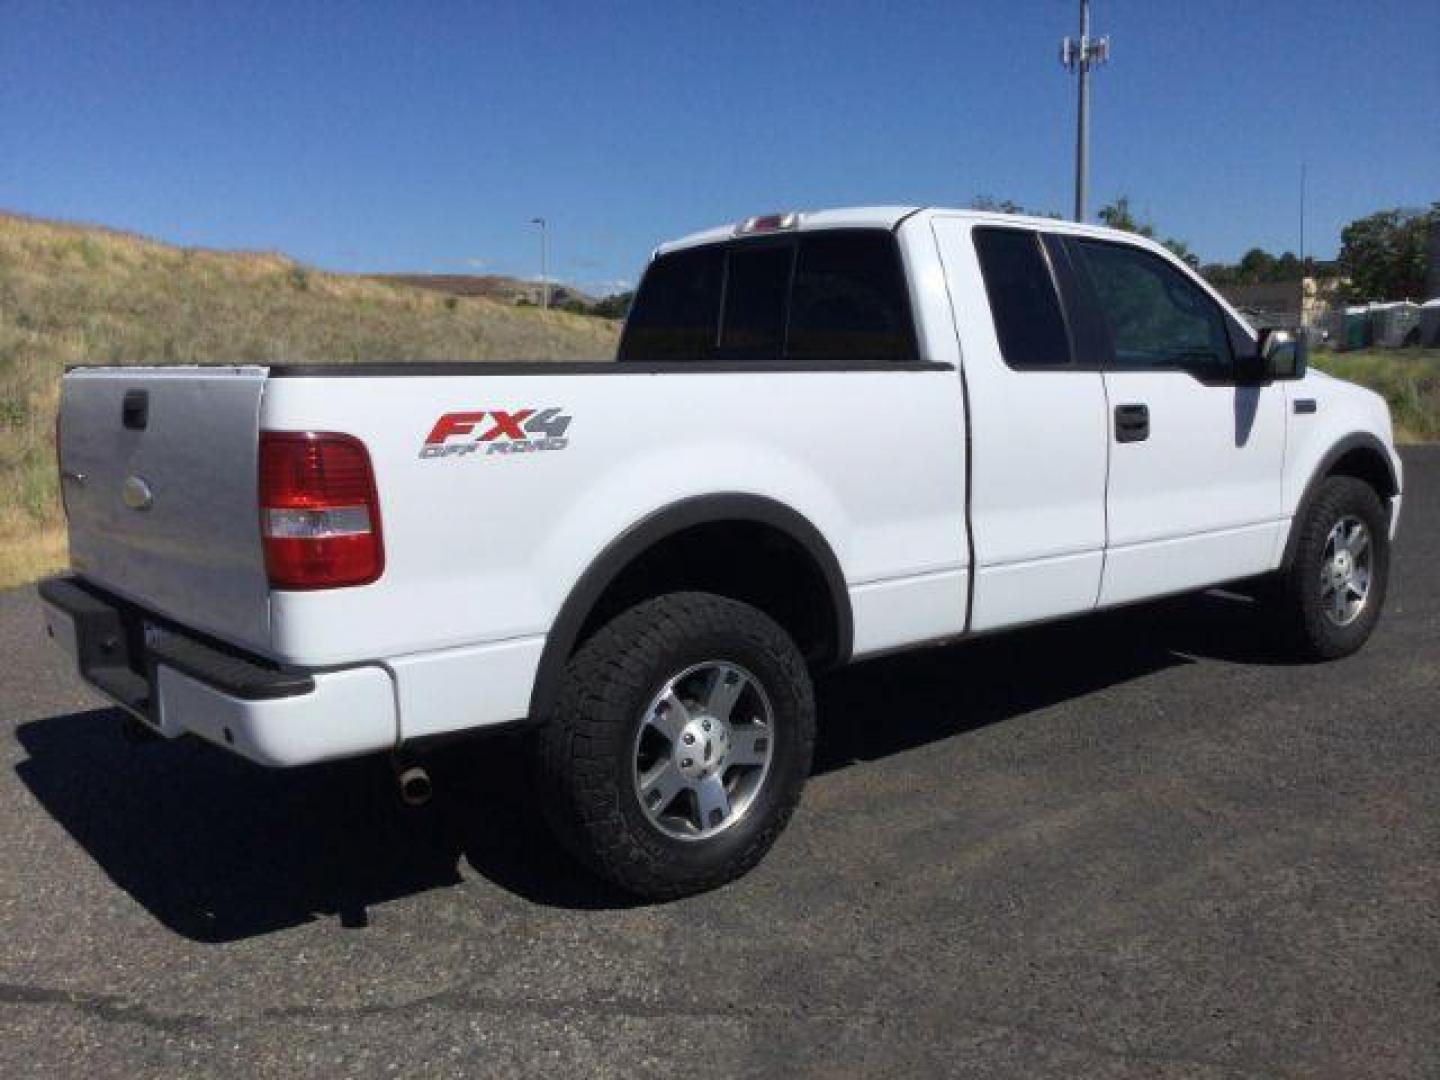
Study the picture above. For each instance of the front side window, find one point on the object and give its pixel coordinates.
(1158, 318)
(823, 297)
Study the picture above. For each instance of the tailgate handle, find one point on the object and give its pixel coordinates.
(135, 410)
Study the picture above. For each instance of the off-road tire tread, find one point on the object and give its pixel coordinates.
(1307, 633)
(590, 724)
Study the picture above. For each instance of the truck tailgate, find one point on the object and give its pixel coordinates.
(158, 472)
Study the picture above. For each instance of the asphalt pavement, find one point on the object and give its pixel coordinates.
(1139, 844)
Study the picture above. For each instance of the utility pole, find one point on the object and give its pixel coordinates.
(544, 278)
(1080, 55)
(1302, 245)
(1302, 218)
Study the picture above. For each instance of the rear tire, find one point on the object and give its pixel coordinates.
(1329, 599)
(680, 741)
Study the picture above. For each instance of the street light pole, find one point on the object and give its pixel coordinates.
(1080, 55)
(544, 277)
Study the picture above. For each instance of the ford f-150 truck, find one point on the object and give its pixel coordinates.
(826, 436)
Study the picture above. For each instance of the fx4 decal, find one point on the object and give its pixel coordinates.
(496, 431)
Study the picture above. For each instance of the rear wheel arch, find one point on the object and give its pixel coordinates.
(1360, 455)
(621, 575)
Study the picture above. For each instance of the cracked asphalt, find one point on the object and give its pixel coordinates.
(1135, 845)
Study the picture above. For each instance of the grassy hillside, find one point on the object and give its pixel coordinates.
(506, 290)
(71, 294)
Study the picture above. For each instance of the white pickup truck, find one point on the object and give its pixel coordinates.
(826, 436)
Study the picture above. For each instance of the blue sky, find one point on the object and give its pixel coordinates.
(423, 136)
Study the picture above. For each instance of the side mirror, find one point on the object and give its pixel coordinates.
(1283, 355)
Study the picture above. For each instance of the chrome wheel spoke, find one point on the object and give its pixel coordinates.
(750, 746)
(669, 715)
(660, 785)
(1359, 542)
(725, 688)
(712, 801)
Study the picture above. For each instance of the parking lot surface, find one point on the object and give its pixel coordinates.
(1140, 844)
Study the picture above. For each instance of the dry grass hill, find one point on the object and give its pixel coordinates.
(506, 290)
(73, 294)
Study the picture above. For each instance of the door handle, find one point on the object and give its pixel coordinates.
(1132, 422)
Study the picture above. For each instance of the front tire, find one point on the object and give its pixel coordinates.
(1331, 595)
(679, 744)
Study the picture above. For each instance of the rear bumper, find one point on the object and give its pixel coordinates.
(178, 683)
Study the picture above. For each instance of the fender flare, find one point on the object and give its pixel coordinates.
(1360, 440)
(658, 526)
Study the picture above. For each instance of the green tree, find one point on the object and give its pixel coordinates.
(1220, 274)
(616, 306)
(1256, 265)
(1118, 215)
(1182, 251)
(1383, 254)
(993, 205)
(1007, 206)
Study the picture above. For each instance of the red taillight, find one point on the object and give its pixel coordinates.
(319, 515)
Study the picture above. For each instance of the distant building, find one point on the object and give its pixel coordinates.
(1285, 303)
(1270, 303)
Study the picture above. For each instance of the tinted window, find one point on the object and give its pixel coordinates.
(677, 309)
(755, 289)
(1022, 297)
(1158, 317)
(849, 299)
(830, 296)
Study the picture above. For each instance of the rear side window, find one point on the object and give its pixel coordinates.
(827, 296)
(677, 311)
(849, 299)
(1023, 301)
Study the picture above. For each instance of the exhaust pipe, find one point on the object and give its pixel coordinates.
(415, 786)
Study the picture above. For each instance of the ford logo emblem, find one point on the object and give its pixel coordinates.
(136, 493)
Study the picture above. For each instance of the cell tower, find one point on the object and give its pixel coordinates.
(1081, 54)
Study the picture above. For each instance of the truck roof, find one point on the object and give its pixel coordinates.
(888, 217)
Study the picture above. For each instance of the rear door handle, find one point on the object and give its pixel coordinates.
(1132, 422)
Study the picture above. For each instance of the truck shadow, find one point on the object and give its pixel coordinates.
(220, 850)
(930, 694)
